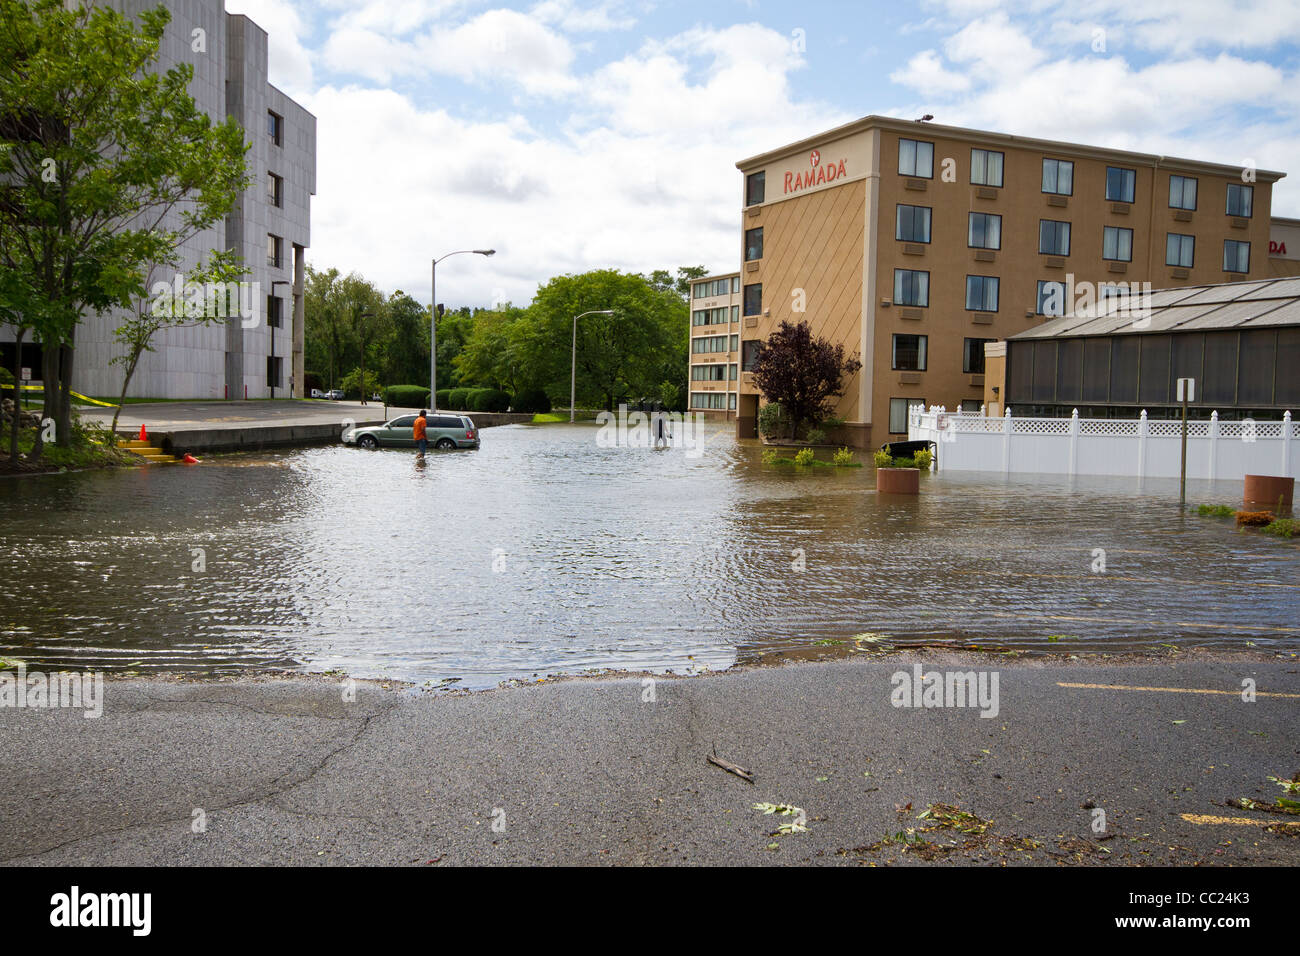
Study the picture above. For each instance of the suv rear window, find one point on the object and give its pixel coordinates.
(446, 421)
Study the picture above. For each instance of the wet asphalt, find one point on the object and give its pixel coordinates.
(263, 770)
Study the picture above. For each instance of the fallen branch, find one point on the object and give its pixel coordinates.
(730, 767)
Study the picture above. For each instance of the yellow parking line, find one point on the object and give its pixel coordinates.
(1175, 690)
(1202, 818)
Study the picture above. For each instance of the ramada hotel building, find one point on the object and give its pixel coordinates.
(913, 245)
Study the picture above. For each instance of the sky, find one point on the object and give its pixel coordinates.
(581, 134)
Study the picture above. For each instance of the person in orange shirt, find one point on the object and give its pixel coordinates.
(420, 433)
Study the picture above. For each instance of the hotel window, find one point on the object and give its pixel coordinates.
(1117, 243)
(909, 353)
(735, 284)
(1179, 250)
(1053, 237)
(1120, 184)
(911, 287)
(982, 293)
(735, 343)
(753, 244)
(973, 356)
(709, 343)
(1058, 177)
(1236, 256)
(754, 189)
(1051, 298)
(984, 231)
(275, 127)
(898, 408)
(708, 373)
(274, 189)
(748, 353)
(985, 167)
(1239, 199)
(274, 250)
(912, 224)
(274, 312)
(732, 371)
(735, 313)
(707, 400)
(1182, 192)
(754, 299)
(702, 290)
(915, 158)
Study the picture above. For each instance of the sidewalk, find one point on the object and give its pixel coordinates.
(284, 770)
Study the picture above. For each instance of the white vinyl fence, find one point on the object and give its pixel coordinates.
(968, 441)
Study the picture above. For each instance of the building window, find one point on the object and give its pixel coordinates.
(274, 369)
(731, 398)
(1179, 250)
(982, 293)
(898, 408)
(1117, 243)
(911, 287)
(1058, 177)
(274, 189)
(1053, 237)
(709, 343)
(1182, 192)
(274, 312)
(1239, 200)
(735, 284)
(985, 167)
(1236, 256)
(909, 353)
(754, 299)
(708, 400)
(735, 343)
(912, 224)
(731, 369)
(984, 231)
(748, 353)
(708, 373)
(915, 158)
(754, 188)
(1120, 184)
(1051, 298)
(701, 289)
(753, 244)
(275, 127)
(274, 250)
(973, 356)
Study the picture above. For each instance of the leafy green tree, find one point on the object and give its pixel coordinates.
(403, 357)
(93, 145)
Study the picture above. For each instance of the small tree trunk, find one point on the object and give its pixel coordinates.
(63, 437)
(18, 407)
(126, 381)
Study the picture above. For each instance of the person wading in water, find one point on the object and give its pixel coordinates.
(420, 433)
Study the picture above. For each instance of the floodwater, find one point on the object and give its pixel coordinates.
(543, 553)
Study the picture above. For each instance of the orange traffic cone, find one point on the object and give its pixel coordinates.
(144, 436)
(190, 459)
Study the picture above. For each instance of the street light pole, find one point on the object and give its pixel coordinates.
(573, 359)
(433, 321)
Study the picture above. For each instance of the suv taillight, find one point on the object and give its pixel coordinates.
(469, 433)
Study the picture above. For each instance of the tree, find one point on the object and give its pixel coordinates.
(802, 372)
(92, 146)
(404, 349)
(327, 330)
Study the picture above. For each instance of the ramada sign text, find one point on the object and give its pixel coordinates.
(816, 176)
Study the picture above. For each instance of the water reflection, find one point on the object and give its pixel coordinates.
(542, 552)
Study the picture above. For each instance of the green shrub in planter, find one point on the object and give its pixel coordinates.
(456, 399)
(489, 400)
(534, 400)
(406, 396)
(771, 420)
(882, 458)
(924, 458)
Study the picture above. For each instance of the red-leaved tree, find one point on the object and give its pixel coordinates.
(803, 372)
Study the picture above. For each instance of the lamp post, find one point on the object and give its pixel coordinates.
(433, 321)
(573, 358)
(272, 325)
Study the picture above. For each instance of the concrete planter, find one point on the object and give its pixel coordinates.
(898, 481)
(1267, 489)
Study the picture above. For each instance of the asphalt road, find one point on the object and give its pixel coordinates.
(591, 771)
(183, 416)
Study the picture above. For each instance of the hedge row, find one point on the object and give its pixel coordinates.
(468, 399)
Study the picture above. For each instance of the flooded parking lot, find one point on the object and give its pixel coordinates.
(543, 553)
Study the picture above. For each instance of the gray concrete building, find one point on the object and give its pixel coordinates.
(259, 356)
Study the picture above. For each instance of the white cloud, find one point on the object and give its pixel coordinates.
(569, 16)
(926, 74)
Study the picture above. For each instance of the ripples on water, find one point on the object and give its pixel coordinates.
(542, 552)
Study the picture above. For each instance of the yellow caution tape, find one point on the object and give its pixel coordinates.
(78, 395)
